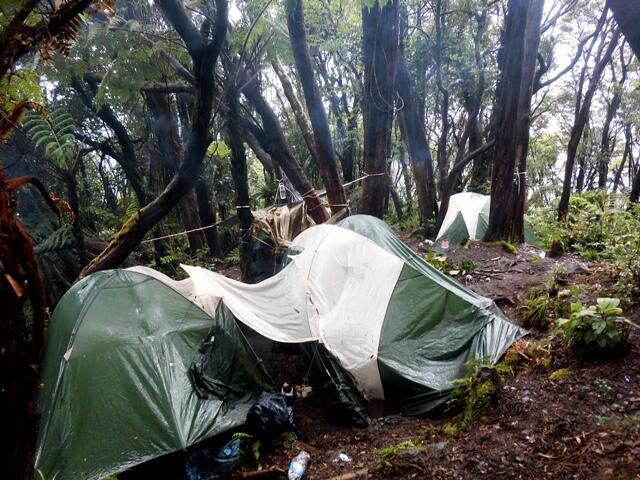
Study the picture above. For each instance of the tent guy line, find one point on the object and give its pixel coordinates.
(230, 220)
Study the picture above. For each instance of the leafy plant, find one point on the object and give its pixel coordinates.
(560, 374)
(534, 311)
(599, 327)
(232, 258)
(467, 266)
(251, 447)
(440, 262)
(54, 133)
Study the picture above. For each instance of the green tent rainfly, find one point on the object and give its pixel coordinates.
(122, 356)
(467, 218)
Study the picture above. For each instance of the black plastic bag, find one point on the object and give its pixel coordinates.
(271, 416)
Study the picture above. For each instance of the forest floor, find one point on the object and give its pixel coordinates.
(566, 419)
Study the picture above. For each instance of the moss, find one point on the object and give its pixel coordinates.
(480, 398)
(560, 374)
(387, 455)
(511, 362)
(508, 247)
(451, 429)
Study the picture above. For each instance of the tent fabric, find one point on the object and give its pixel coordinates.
(324, 294)
(468, 204)
(401, 329)
(123, 351)
(467, 218)
(433, 326)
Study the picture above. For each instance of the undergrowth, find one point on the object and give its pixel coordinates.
(386, 463)
(599, 227)
(597, 329)
(474, 393)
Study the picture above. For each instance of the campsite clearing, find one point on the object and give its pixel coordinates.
(584, 426)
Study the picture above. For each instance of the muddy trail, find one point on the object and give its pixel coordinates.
(554, 416)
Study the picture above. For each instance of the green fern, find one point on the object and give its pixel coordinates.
(55, 134)
(131, 208)
(59, 240)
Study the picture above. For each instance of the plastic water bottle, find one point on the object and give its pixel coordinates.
(298, 466)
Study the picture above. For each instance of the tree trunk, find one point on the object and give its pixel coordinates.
(22, 327)
(444, 102)
(349, 152)
(606, 149)
(406, 179)
(165, 128)
(109, 196)
(581, 156)
(627, 155)
(380, 49)
(532, 43)
(277, 147)
(208, 217)
(508, 185)
(298, 112)
(415, 138)
(627, 15)
(635, 189)
(74, 202)
(335, 104)
(321, 132)
(395, 198)
(241, 184)
(204, 54)
(581, 116)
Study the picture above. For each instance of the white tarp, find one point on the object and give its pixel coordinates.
(470, 205)
(336, 291)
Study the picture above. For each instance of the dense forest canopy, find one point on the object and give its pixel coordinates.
(409, 105)
(155, 128)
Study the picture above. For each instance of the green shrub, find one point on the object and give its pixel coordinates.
(597, 328)
(598, 226)
(440, 262)
(232, 258)
(534, 311)
(467, 266)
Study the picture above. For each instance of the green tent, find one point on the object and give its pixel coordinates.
(467, 218)
(432, 326)
(134, 370)
(399, 328)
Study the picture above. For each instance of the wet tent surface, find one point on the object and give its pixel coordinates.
(116, 380)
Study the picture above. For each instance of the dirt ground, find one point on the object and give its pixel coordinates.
(584, 425)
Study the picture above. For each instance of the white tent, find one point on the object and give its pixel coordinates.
(469, 206)
(467, 218)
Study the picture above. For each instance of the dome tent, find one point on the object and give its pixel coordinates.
(467, 218)
(134, 370)
(399, 328)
